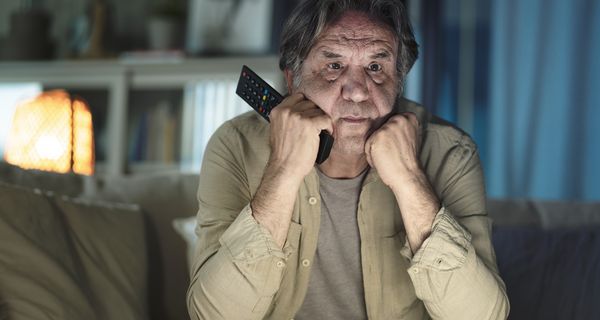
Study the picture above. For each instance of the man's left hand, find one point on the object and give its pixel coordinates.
(394, 149)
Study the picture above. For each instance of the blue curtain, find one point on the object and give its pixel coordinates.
(544, 108)
(534, 97)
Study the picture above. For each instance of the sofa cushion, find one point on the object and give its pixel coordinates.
(62, 258)
(550, 274)
(164, 197)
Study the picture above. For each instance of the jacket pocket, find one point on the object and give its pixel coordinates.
(292, 243)
(398, 293)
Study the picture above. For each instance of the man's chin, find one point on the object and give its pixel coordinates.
(354, 145)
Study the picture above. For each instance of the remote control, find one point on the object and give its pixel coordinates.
(263, 98)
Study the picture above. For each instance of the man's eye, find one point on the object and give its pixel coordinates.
(334, 66)
(374, 67)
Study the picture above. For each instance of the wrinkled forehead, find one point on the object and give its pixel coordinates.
(355, 28)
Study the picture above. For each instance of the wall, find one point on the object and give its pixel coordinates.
(128, 21)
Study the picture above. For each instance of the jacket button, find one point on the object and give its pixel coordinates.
(312, 201)
(306, 262)
(280, 264)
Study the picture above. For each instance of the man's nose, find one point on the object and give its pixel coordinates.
(354, 85)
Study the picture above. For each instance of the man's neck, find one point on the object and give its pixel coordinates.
(343, 166)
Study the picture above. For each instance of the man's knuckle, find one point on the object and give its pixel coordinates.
(397, 120)
(277, 112)
(296, 116)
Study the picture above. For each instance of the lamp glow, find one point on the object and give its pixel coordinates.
(52, 133)
(49, 148)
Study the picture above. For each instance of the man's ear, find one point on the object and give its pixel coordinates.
(289, 80)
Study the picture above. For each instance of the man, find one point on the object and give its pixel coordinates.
(391, 226)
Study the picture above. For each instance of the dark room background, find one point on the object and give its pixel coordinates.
(522, 77)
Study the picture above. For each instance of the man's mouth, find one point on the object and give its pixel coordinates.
(354, 120)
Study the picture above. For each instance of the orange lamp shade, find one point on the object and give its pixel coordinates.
(52, 133)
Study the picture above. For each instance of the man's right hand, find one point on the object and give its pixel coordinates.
(295, 126)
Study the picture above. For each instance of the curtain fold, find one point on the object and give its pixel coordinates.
(544, 108)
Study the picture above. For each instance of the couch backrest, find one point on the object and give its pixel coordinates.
(544, 214)
(162, 197)
(64, 184)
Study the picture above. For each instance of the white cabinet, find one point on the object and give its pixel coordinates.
(150, 116)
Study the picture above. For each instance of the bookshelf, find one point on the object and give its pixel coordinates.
(149, 115)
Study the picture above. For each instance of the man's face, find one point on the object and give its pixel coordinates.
(351, 74)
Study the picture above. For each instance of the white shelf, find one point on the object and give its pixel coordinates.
(119, 77)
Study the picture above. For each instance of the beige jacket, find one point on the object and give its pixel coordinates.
(240, 273)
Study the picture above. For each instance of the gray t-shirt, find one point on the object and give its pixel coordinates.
(335, 289)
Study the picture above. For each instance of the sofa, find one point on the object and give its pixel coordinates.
(77, 247)
(126, 221)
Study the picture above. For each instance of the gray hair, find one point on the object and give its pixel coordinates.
(311, 17)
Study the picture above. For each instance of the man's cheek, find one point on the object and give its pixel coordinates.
(386, 90)
(386, 100)
(318, 82)
(319, 91)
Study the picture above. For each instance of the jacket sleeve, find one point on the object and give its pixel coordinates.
(454, 272)
(237, 267)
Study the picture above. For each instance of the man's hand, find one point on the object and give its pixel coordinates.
(295, 126)
(393, 150)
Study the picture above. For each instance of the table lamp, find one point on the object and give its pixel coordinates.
(52, 132)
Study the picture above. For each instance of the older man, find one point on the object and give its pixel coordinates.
(391, 226)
